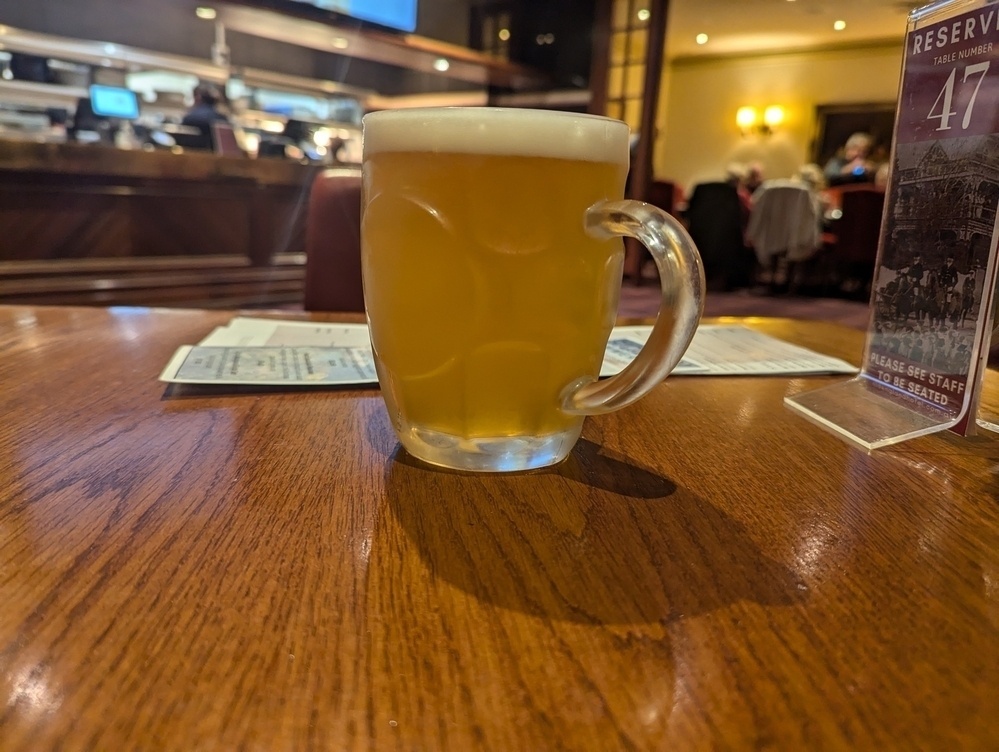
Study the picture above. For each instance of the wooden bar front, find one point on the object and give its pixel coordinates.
(91, 224)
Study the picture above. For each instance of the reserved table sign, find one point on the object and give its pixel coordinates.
(935, 280)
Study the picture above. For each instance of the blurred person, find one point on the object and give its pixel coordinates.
(205, 111)
(735, 175)
(854, 164)
(812, 176)
(754, 177)
(882, 175)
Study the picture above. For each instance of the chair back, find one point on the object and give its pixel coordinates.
(662, 193)
(715, 224)
(784, 220)
(333, 243)
(858, 230)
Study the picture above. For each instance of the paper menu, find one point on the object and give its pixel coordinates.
(244, 331)
(725, 350)
(272, 366)
(270, 352)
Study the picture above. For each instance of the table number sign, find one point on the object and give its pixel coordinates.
(933, 293)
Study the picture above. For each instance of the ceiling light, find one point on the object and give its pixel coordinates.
(504, 34)
(441, 64)
(339, 43)
(701, 39)
(839, 25)
(643, 14)
(206, 13)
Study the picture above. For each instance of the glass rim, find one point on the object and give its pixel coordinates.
(455, 111)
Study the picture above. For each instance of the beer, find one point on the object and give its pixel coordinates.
(486, 297)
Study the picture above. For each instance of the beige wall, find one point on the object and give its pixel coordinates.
(698, 135)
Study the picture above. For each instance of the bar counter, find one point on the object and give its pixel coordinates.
(89, 160)
(201, 568)
(94, 224)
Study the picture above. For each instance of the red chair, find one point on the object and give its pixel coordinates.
(858, 232)
(662, 193)
(333, 243)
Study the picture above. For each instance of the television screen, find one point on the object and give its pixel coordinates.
(395, 14)
(114, 102)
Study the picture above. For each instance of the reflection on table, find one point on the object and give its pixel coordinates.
(191, 568)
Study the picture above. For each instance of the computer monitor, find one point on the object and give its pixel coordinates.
(114, 102)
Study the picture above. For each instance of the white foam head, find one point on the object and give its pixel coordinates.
(497, 130)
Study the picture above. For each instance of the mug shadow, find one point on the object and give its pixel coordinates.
(594, 540)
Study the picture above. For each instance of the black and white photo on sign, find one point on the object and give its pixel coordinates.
(938, 238)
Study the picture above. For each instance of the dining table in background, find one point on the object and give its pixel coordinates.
(204, 568)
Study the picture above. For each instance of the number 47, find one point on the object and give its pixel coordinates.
(947, 95)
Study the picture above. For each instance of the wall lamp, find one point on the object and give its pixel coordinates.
(749, 120)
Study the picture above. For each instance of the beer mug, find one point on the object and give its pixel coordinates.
(492, 257)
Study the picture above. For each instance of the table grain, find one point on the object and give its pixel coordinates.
(201, 569)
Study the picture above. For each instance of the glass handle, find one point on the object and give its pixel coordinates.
(681, 274)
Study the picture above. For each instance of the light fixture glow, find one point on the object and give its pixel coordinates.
(701, 38)
(441, 64)
(750, 122)
(839, 25)
(339, 43)
(773, 115)
(745, 117)
(205, 12)
(504, 35)
(644, 14)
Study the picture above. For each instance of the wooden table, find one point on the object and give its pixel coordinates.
(187, 569)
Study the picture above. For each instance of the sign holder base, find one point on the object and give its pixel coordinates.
(868, 415)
